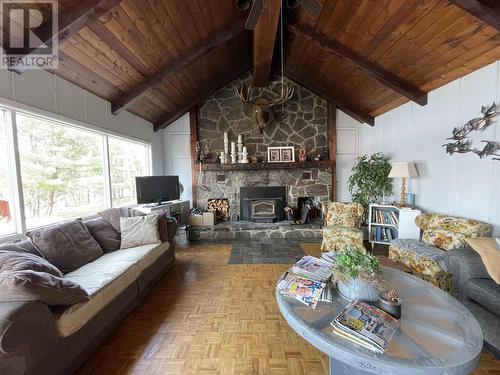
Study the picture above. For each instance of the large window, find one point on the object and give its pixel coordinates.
(63, 171)
(7, 211)
(126, 161)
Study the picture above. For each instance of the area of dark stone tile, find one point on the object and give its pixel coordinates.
(266, 251)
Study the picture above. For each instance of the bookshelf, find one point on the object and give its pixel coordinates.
(388, 222)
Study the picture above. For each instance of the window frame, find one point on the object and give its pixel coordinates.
(11, 110)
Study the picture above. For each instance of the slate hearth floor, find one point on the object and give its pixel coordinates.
(266, 251)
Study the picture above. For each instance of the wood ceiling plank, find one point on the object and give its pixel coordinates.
(121, 49)
(98, 85)
(94, 56)
(182, 21)
(230, 77)
(339, 18)
(102, 47)
(382, 75)
(143, 17)
(487, 11)
(264, 38)
(71, 51)
(169, 30)
(346, 107)
(423, 35)
(168, 71)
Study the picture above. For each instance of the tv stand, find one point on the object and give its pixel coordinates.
(178, 208)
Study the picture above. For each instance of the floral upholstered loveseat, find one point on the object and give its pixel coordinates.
(428, 258)
(342, 225)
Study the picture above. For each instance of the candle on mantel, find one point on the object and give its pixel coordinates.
(233, 147)
(226, 136)
(240, 138)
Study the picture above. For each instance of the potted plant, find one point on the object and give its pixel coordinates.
(357, 274)
(369, 179)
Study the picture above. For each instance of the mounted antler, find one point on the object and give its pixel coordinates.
(244, 92)
(286, 94)
(262, 107)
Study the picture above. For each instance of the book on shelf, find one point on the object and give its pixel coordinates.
(365, 325)
(302, 289)
(313, 268)
(384, 216)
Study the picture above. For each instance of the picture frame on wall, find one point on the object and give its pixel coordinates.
(274, 154)
(281, 154)
(287, 154)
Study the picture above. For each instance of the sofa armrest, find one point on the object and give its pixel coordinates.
(28, 333)
(465, 264)
(172, 226)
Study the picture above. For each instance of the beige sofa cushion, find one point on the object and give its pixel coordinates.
(104, 279)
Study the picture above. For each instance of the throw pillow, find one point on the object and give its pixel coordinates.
(67, 245)
(15, 261)
(444, 239)
(137, 231)
(490, 255)
(113, 215)
(104, 233)
(21, 247)
(40, 286)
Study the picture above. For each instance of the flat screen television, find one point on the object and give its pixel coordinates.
(157, 189)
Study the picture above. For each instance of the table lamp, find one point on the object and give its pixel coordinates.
(403, 169)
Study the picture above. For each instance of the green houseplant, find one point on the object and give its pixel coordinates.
(357, 274)
(369, 179)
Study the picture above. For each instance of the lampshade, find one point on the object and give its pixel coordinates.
(403, 169)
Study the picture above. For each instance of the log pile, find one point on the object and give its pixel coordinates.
(221, 208)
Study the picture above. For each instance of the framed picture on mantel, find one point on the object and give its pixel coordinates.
(281, 154)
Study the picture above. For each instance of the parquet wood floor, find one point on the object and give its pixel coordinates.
(210, 317)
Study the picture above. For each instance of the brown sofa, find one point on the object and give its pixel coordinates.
(38, 339)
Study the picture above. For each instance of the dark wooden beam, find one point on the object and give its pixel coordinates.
(487, 11)
(341, 103)
(332, 145)
(230, 77)
(382, 75)
(193, 132)
(264, 39)
(71, 20)
(132, 96)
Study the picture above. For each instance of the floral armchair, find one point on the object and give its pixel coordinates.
(428, 258)
(342, 222)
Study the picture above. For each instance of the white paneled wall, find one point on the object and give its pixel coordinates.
(461, 185)
(45, 91)
(177, 151)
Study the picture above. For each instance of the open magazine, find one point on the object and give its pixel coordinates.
(304, 290)
(313, 268)
(366, 325)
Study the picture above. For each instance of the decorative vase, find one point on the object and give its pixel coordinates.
(357, 289)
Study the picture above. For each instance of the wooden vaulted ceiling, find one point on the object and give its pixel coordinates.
(157, 58)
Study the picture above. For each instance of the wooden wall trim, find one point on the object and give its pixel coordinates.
(264, 39)
(132, 96)
(332, 145)
(193, 131)
(487, 11)
(382, 75)
(341, 103)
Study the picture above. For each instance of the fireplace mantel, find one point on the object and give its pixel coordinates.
(263, 166)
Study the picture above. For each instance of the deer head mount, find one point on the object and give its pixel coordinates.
(262, 113)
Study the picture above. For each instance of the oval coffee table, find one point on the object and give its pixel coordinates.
(437, 334)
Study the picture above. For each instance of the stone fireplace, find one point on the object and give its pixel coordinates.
(262, 204)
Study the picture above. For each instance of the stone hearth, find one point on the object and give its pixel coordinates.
(230, 231)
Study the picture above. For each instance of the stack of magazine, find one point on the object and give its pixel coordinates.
(306, 280)
(365, 325)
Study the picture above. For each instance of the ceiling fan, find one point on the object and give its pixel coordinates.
(313, 7)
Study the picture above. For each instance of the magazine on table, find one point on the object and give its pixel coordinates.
(302, 289)
(313, 268)
(329, 256)
(366, 325)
